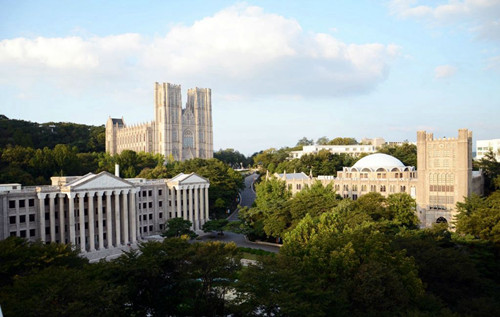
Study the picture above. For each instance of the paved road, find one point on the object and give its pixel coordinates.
(247, 195)
(239, 239)
(247, 199)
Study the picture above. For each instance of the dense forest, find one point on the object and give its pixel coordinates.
(341, 258)
(85, 138)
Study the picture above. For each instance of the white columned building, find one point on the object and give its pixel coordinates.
(194, 204)
(98, 213)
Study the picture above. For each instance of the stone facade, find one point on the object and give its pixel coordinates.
(484, 146)
(101, 212)
(176, 133)
(378, 172)
(444, 177)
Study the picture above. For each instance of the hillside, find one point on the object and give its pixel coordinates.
(86, 138)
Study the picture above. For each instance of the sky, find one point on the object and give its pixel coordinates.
(278, 70)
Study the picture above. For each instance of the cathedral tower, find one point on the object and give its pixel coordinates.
(178, 134)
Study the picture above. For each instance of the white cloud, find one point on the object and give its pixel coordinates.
(480, 16)
(241, 50)
(444, 71)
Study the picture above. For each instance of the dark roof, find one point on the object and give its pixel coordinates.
(117, 121)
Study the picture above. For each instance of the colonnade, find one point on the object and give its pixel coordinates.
(116, 223)
(192, 203)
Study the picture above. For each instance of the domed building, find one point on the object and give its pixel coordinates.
(377, 172)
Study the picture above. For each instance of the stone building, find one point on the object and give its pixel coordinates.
(485, 146)
(101, 212)
(176, 133)
(295, 182)
(444, 176)
(377, 172)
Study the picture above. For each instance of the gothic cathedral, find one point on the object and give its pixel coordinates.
(177, 133)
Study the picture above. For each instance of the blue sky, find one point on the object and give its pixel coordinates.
(279, 70)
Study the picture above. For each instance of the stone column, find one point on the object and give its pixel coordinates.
(197, 225)
(190, 209)
(179, 194)
(184, 203)
(133, 217)
(41, 201)
(52, 217)
(81, 208)
(117, 218)
(125, 216)
(4, 229)
(100, 227)
(202, 206)
(206, 204)
(172, 207)
(61, 218)
(109, 220)
(71, 216)
(91, 212)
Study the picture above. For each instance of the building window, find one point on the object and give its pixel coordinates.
(32, 218)
(31, 202)
(22, 233)
(143, 193)
(150, 204)
(382, 188)
(144, 217)
(159, 192)
(150, 193)
(12, 220)
(299, 186)
(403, 189)
(188, 139)
(12, 233)
(150, 228)
(160, 215)
(12, 204)
(150, 216)
(22, 219)
(32, 232)
(160, 203)
(144, 205)
(22, 203)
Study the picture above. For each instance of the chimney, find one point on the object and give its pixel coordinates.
(117, 170)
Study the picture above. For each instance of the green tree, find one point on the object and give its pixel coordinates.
(305, 141)
(343, 141)
(406, 153)
(322, 140)
(328, 268)
(491, 171)
(232, 157)
(403, 210)
(215, 225)
(480, 217)
(177, 227)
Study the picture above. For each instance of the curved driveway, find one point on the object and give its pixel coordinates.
(247, 199)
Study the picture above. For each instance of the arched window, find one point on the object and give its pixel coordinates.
(188, 140)
(441, 220)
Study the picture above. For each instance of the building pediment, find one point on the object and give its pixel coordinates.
(103, 180)
(189, 179)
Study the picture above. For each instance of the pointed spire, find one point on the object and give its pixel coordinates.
(284, 174)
